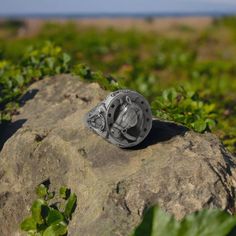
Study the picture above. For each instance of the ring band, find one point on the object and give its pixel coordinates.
(124, 118)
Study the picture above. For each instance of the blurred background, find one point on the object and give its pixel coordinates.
(186, 48)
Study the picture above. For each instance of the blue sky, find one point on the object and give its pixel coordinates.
(114, 6)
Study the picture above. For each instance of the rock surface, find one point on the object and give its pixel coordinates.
(180, 170)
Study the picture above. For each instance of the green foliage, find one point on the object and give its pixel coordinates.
(47, 60)
(227, 20)
(202, 223)
(42, 191)
(70, 206)
(200, 60)
(185, 107)
(107, 82)
(56, 229)
(12, 24)
(64, 192)
(47, 218)
(29, 224)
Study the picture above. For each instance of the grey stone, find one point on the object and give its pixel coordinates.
(180, 170)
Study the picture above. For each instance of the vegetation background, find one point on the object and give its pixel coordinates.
(186, 67)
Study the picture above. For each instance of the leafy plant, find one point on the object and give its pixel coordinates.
(85, 73)
(185, 107)
(47, 218)
(36, 63)
(202, 223)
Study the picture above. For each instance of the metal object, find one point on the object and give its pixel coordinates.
(124, 118)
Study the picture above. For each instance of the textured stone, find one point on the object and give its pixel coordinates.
(180, 170)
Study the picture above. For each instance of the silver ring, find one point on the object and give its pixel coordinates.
(124, 118)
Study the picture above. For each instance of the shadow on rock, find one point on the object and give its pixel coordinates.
(27, 96)
(161, 131)
(8, 129)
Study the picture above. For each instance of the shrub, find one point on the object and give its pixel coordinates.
(185, 107)
(50, 219)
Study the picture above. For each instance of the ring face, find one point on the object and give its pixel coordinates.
(124, 118)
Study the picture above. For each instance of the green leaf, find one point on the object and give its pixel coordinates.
(70, 206)
(211, 123)
(82, 70)
(57, 229)
(50, 62)
(40, 229)
(190, 93)
(28, 224)
(42, 190)
(169, 94)
(66, 58)
(54, 216)
(20, 80)
(207, 222)
(157, 223)
(37, 210)
(203, 223)
(50, 195)
(64, 192)
(199, 125)
(163, 224)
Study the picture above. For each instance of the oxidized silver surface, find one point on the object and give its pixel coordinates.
(124, 118)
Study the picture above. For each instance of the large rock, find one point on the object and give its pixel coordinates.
(180, 170)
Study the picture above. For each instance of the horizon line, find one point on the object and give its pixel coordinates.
(119, 15)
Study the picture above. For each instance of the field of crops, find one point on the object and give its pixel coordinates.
(187, 73)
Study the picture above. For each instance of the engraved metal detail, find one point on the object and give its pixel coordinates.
(124, 118)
